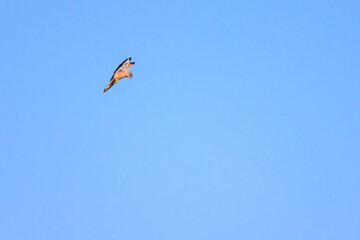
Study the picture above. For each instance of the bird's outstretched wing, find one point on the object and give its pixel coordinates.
(124, 65)
(110, 84)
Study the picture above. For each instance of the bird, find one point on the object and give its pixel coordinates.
(121, 72)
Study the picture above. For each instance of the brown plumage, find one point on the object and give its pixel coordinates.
(122, 71)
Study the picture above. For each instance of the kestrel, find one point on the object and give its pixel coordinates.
(122, 71)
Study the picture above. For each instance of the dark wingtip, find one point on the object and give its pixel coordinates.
(132, 63)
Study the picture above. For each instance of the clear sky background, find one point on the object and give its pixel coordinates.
(242, 120)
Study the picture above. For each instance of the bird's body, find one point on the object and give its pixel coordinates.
(121, 72)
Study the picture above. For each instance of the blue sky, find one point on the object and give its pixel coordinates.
(241, 120)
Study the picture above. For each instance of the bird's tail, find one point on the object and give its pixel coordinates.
(112, 81)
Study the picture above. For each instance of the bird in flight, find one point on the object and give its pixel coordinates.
(122, 71)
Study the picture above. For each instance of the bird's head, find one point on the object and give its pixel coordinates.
(130, 75)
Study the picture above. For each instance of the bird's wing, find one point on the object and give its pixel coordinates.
(111, 83)
(124, 65)
(130, 64)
